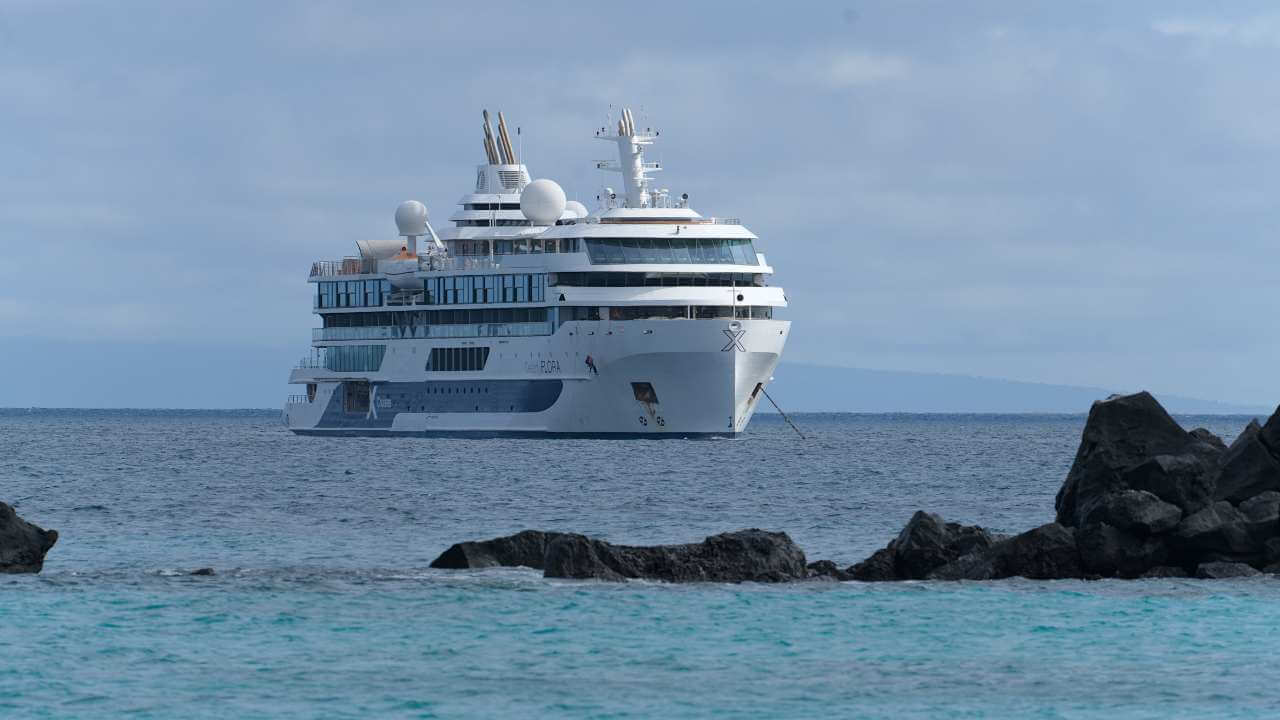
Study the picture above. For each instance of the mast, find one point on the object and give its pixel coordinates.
(631, 164)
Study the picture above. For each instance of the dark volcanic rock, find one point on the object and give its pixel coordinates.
(22, 545)
(1222, 570)
(1262, 519)
(1205, 436)
(927, 543)
(1111, 552)
(1165, 571)
(1184, 480)
(1270, 434)
(526, 548)
(1218, 529)
(1247, 467)
(828, 569)
(742, 556)
(1130, 443)
(878, 567)
(1047, 552)
(1140, 512)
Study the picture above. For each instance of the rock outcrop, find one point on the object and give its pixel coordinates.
(22, 545)
(526, 548)
(1047, 552)
(925, 544)
(1143, 498)
(1130, 443)
(742, 556)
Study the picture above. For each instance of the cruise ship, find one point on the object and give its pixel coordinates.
(534, 316)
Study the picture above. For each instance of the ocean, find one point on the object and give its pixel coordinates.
(322, 604)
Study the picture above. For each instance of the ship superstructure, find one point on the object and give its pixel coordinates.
(530, 315)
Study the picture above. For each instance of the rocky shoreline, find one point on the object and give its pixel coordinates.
(1143, 498)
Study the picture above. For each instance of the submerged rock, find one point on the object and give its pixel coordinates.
(742, 556)
(22, 545)
(526, 548)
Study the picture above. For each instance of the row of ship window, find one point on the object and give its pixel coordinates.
(617, 251)
(719, 251)
(514, 246)
(521, 288)
(558, 315)
(448, 290)
(435, 317)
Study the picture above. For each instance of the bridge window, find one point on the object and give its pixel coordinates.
(648, 251)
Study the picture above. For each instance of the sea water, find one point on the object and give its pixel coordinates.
(322, 604)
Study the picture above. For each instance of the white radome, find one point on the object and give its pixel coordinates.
(411, 218)
(542, 202)
(578, 209)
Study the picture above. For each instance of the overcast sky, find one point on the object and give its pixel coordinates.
(1078, 193)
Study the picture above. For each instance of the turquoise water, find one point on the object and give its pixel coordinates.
(323, 605)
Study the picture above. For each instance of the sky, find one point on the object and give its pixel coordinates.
(1075, 193)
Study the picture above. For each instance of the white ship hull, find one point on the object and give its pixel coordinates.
(705, 378)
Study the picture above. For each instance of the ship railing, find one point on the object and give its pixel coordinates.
(429, 332)
(297, 400)
(442, 263)
(725, 221)
(313, 361)
(459, 262)
(345, 266)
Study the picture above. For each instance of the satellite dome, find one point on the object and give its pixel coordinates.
(578, 209)
(411, 218)
(542, 202)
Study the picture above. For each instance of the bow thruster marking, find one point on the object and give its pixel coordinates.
(735, 341)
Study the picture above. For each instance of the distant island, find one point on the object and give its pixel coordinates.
(818, 388)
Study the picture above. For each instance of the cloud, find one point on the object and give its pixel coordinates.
(849, 69)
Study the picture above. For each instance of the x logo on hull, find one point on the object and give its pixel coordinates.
(735, 341)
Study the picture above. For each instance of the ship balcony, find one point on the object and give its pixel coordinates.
(460, 262)
(354, 266)
(345, 266)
